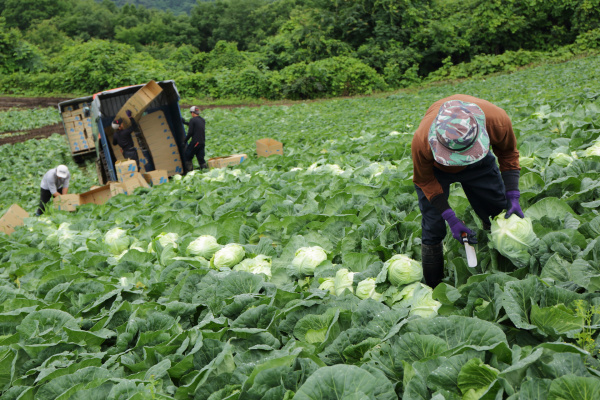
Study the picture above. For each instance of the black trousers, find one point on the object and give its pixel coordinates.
(483, 186)
(45, 197)
(132, 154)
(195, 149)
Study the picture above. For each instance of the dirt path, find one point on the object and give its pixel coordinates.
(6, 103)
(29, 102)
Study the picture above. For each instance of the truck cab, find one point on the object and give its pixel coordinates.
(160, 142)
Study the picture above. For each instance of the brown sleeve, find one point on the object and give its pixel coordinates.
(503, 140)
(422, 156)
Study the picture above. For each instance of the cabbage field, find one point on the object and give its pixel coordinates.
(298, 277)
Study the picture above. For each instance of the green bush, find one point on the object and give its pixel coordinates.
(32, 84)
(336, 76)
(485, 64)
(249, 83)
(587, 41)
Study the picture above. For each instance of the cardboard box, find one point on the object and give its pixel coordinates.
(12, 218)
(67, 202)
(96, 195)
(138, 103)
(125, 169)
(129, 185)
(156, 177)
(116, 188)
(161, 143)
(73, 118)
(267, 147)
(220, 162)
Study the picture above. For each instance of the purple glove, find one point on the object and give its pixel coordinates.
(128, 112)
(515, 208)
(456, 225)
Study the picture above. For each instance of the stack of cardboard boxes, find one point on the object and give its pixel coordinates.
(161, 143)
(129, 178)
(78, 128)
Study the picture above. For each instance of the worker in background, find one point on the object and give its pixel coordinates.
(54, 183)
(122, 137)
(196, 132)
(450, 145)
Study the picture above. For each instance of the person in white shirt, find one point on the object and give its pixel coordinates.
(54, 183)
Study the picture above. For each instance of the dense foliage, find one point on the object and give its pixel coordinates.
(135, 300)
(295, 49)
(175, 6)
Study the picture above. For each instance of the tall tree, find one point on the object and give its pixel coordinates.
(22, 13)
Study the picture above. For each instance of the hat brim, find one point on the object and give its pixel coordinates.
(476, 152)
(62, 176)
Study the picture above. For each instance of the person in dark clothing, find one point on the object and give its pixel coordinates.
(122, 137)
(452, 144)
(196, 127)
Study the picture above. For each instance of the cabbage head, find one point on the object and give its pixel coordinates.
(526, 161)
(423, 303)
(204, 246)
(561, 159)
(117, 240)
(166, 239)
(403, 298)
(307, 259)
(228, 256)
(328, 284)
(403, 270)
(365, 289)
(513, 238)
(593, 150)
(260, 264)
(343, 280)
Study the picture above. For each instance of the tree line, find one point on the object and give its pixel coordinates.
(282, 48)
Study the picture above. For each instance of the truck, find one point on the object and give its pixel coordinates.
(160, 141)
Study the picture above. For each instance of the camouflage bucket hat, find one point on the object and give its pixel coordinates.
(457, 135)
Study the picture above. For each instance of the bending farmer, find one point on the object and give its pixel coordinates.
(196, 128)
(122, 137)
(54, 183)
(450, 145)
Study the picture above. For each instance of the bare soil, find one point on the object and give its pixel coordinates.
(6, 103)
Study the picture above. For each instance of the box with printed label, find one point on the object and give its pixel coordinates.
(156, 177)
(73, 118)
(12, 218)
(220, 162)
(130, 184)
(116, 188)
(161, 143)
(67, 202)
(267, 147)
(125, 169)
(138, 103)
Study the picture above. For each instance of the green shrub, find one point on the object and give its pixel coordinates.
(32, 84)
(336, 76)
(485, 64)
